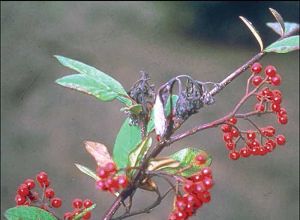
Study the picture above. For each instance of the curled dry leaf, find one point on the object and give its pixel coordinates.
(279, 19)
(159, 117)
(99, 152)
(254, 32)
(161, 163)
(148, 184)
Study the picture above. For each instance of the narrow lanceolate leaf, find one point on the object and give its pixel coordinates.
(92, 81)
(279, 19)
(138, 153)
(254, 32)
(188, 164)
(99, 152)
(161, 163)
(159, 117)
(28, 213)
(87, 171)
(285, 45)
(289, 27)
(81, 214)
(127, 140)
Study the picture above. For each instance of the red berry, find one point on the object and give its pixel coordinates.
(271, 143)
(256, 80)
(87, 203)
(282, 112)
(251, 135)
(280, 139)
(234, 155)
(277, 92)
(87, 215)
(235, 133)
(275, 107)
(208, 182)
(20, 200)
(56, 202)
(45, 184)
(77, 203)
(262, 151)
(180, 215)
(259, 107)
(30, 183)
(189, 186)
(68, 216)
(201, 159)
(172, 216)
(255, 151)
(196, 178)
(276, 80)
(270, 71)
(269, 131)
(199, 188)
(227, 137)
(181, 203)
(206, 171)
(256, 68)
(230, 145)
(122, 181)
(205, 197)
(268, 148)
(111, 167)
(111, 184)
(277, 100)
(102, 172)
(226, 128)
(23, 190)
(100, 184)
(42, 177)
(49, 193)
(232, 120)
(245, 152)
(283, 119)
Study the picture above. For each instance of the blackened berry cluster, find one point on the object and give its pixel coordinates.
(109, 180)
(79, 206)
(196, 193)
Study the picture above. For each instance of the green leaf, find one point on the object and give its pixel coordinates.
(285, 45)
(138, 153)
(289, 27)
(150, 126)
(79, 216)
(188, 164)
(87, 171)
(28, 213)
(92, 81)
(134, 109)
(127, 140)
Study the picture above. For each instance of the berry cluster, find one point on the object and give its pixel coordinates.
(261, 140)
(197, 193)
(109, 181)
(79, 206)
(25, 195)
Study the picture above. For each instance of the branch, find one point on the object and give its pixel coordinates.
(161, 145)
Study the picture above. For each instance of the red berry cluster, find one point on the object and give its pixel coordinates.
(262, 140)
(79, 206)
(270, 71)
(197, 193)
(109, 181)
(25, 195)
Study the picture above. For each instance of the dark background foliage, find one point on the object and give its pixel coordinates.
(43, 126)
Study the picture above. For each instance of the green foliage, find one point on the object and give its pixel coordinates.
(87, 171)
(28, 213)
(285, 45)
(127, 139)
(92, 81)
(188, 164)
(138, 153)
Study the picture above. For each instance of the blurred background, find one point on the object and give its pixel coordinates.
(43, 125)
